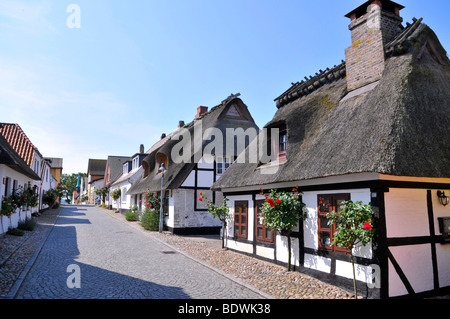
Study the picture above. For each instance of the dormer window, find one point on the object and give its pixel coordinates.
(135, 162)
(282, 143)
(160, 159)
(277, 146)
(222, 164)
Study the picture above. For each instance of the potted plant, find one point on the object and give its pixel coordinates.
(354, 226)
(282, 211)
(115, 194)
(220, 212)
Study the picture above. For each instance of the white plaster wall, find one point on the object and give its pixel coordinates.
(442, 251)
(443, 260)
(265, 252)
(190, 180)
(310, 225)
(415, 262)
(407, 216)
(21, 179)
(310, 229)
(317, 263)
(282, 249)
(406, 212)
(205, 178)
(207, 161)
(182, 213)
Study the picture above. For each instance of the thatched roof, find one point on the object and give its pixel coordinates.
(176, 173)
(400, 127)
(96, 167)
(115, 164)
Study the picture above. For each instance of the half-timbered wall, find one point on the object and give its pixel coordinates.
(418, 261)
(186, 213)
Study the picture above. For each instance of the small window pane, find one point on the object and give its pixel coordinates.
(325, 239)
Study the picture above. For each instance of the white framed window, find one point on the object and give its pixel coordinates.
(222, 164)
(124, 194)
(135, 162)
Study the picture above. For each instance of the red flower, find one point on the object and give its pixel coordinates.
(200, 193)
(272, 204)
(200, 199)
(367, 226)
(269, 200)
(278, 201)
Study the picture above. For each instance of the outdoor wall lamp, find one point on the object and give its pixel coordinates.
(161, 170)
(444, 200)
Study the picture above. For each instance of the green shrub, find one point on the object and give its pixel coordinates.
(15, 232)
(27, 225)
(150, 220)
(131, 216)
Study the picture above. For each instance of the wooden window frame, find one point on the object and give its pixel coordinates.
(259, 225)
(278, 148)
(240, 211)
(323, 227)
(282, 142)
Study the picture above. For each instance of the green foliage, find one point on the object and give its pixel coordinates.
(152, 201)
(282, 211)
(15, 232)
(102, 192)
(150, 220)
(49, 198)
(30, 197)
(69, 184)
(115, 194)
(354, 224)
(220, 212)
(9, 205)
(27, 225)
(132, 214)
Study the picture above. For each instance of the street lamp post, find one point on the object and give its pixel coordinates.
(162, 170)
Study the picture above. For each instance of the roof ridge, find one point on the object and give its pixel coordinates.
(297, 90)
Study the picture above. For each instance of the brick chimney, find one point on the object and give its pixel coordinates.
(201, 110)
(373, 25)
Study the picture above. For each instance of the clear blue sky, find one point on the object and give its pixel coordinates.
(135, 68)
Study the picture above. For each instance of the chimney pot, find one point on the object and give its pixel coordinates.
(141, 149)
(163, 135)
(201, 110)
(180, 124)
(373, 24)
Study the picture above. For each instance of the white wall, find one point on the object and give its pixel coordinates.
(407, 216)
(310, 228)
(21, 179)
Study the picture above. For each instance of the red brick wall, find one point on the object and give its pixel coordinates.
(365, 59)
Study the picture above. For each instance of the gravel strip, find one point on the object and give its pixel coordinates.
(268, 277)
(16, 251)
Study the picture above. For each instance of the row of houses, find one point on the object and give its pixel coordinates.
(373, 128)
(23, 167)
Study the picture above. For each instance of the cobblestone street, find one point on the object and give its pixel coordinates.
(117, 261)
